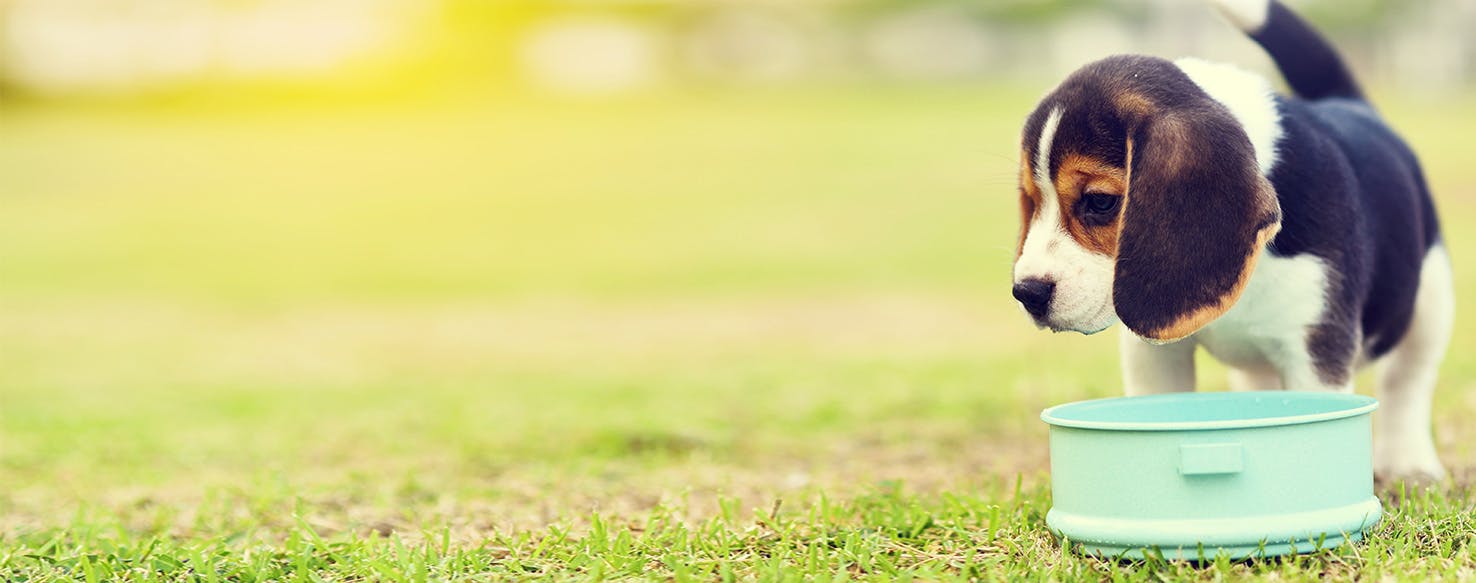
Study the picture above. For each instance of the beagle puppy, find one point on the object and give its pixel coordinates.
(1292, 237)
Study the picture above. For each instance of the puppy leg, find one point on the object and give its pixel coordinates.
(1148, 369)
(1254, 379)
(1403, 446)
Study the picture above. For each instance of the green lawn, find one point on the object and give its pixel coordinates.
(740, 335)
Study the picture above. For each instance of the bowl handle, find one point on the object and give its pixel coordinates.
(1202, 459)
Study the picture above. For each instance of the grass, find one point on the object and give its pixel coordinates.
(993, 532)
(739, 335)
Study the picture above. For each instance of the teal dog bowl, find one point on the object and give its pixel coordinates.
(1193, 475)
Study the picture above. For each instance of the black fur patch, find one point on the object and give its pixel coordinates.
(1354, 196)
(1309, 63)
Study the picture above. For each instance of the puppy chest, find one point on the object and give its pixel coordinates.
(1254, 344)
(1269, 324)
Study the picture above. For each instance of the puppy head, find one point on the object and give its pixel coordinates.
(1141, 201)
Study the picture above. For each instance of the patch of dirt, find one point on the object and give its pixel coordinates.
(531, 496)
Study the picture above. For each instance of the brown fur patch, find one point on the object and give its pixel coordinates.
(1175, 151)
(1134, 103)
(1078, 175)
(1027, 212)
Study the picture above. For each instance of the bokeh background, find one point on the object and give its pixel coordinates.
(482, 265)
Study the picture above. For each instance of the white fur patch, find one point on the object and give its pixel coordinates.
(1043, 155)
(1267, 327)
(1247, 15)
(1248, 96)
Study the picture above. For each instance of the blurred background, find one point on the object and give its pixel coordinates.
(143, 47)
(489, 262)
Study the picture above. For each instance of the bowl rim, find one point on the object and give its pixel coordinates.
(1355, 405)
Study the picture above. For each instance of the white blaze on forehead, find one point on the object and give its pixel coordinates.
(1047, 222)
(1038, 256)
(1043, 156)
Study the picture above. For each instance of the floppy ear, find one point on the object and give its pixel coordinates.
(1197, 217)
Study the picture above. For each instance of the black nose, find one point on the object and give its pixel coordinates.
(1035, 295)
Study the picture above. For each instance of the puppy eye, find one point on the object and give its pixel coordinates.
(1100, 203)
(1098, 209)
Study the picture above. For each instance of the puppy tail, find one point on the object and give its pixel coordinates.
(1310, 64)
